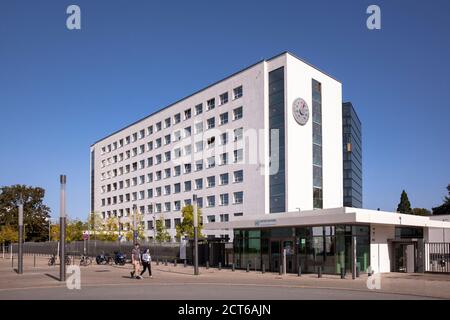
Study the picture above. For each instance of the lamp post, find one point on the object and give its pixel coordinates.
(49, 228)
(194, 202)
(62, 229)
(20, 251)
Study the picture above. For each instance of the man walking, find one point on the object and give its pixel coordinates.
(136, 261)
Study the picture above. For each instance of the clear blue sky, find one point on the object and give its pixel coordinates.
(62, 90)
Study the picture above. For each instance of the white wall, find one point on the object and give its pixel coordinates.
(299, 146)
(380, 253)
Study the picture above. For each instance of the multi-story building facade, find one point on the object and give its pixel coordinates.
(352, 155)
(264, 140)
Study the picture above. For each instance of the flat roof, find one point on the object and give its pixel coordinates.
(334, 216)
(211, 85)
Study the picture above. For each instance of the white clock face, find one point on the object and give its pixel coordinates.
(300, 111)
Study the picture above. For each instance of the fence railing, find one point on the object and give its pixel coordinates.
(92, 248)
(437, 257)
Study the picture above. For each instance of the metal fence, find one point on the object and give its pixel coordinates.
(92, 248)
(437, 257)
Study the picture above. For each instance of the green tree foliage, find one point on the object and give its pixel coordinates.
(34, 210)
(404, 206)
(161, 232)
(421, 212)
(94, 225)
(129, 235)
(8, 234)
(186, 227)
(74, 231)
(445, 207)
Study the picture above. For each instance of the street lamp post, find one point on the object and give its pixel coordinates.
(20, 251)
(62, 229)
(194, 202)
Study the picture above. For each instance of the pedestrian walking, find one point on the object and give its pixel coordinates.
(147, 263)
(136, 261)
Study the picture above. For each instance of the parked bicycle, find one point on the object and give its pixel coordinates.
(85, 261)
(52, 260)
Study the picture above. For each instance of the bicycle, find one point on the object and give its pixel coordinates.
(85, 261)
(52, 260)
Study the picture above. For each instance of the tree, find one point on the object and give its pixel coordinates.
(161, 232)
(35, 212)
(404, 206)
(140, 227)
(94, 224)
(110, 230)
(445, 207)
(186, 227)
(421, 212)
(8, 234)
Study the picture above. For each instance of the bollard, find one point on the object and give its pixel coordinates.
(248, 267)
(165, 262)
(185, 263)
(220, 265)
(319, 272)
(175, 263)
(34, 262)
(232, 267)
(207, 264)
(281, 269)
(12, 261)
(299, 271)
(263, 268)
(157, 261)
(357, 271)
(342, 273)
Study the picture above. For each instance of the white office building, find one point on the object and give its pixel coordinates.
(216, 143)
(262, 151)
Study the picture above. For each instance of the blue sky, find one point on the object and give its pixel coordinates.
(62, 90)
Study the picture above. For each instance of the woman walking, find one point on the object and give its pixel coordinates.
(147, 262)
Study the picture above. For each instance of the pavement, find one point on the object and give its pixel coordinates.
(40, 281)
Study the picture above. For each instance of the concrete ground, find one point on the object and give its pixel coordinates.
(178, 283)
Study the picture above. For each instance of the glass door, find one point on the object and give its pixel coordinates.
(275, 249)
(288, 245)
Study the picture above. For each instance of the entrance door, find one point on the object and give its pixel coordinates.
(275, 249)
(288, 245)
(404, 257)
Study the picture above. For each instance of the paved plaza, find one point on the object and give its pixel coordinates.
(39, 281)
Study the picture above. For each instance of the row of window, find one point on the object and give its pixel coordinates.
(238, 176)
(187, 114)
(210, 202)
(238, 157)
(168, 189)
(175, 137)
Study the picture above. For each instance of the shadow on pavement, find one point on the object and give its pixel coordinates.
(52, 276)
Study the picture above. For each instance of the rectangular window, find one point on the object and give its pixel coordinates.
(210, 104)
(224, 218)
(149, 130)
(224, 118)
(224, 179)
(177, 206)
(198, 109)
(176, 171)
(167, 139)
(187, 186)
(238, 134)
(211, 218)
(167, 156)
(211, 162)
(187, 132)
(238, 113)
(199, 165)
(167, 123)
(238, 155)
(211, 181)
(238, 176)
(238, 197)
(237, 92)
(167, 221)
(211, 201)
(177, 135)
(210, 142)
(317, 144)
(224, 199)
(176, 118)
(210, 123)
(199, 146)
(198, 184)
(199, 127)
(223, 159)
(223, 98)
(224, 138)
(158, 126)
(187, 114)
(177, 188)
